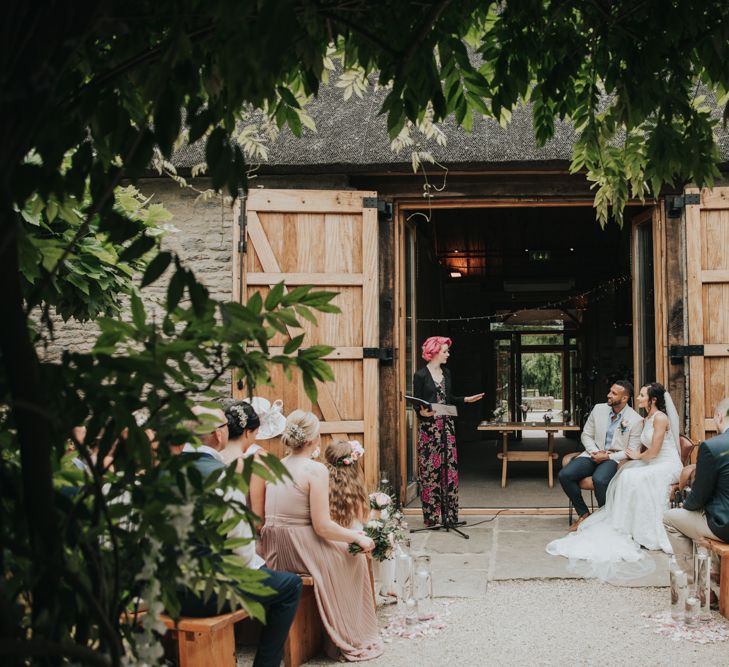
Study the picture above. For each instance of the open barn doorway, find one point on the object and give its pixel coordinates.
(545, 309)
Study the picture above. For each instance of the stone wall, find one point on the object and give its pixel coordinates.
(204, 242)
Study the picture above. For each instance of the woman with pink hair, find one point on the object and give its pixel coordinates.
(437, 455)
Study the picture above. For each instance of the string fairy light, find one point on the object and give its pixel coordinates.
(607, 287)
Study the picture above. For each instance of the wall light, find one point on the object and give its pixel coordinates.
(455, 274)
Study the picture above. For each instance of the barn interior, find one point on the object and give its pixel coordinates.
(541, 304)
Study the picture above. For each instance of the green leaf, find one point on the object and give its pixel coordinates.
(139, 315)
(175, 289)
(138, 248)
(274, 296)
(156, 268)
(294, 344)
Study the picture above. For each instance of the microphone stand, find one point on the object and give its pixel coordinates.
(445, 524)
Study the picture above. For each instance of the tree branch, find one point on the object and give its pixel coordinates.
(419, 36)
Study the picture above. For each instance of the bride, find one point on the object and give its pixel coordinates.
(607, 545)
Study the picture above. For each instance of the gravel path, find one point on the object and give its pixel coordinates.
(551, 622)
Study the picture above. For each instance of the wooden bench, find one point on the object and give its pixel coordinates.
(205, 641)
(721, 549)
(210, 642)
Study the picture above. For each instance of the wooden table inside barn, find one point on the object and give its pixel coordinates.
(533, 455)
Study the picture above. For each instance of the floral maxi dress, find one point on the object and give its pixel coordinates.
(438, 466)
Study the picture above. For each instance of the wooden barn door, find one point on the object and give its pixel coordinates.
(327, 239)
(707, 254)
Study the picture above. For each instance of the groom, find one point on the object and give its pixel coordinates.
(610, 428)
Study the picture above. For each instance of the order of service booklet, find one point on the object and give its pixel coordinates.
(438, 408)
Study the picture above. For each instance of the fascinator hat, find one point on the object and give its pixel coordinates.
(271, 415)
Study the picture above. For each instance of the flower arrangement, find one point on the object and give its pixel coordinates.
(499, 413)
(385, 532)
(380, 500)
(624, 425)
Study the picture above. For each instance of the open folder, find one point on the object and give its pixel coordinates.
(438, 408)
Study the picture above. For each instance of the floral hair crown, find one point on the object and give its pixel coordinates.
(353, 456)
(296, 433)
(240, 414)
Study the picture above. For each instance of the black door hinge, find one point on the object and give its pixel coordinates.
(242, 221)
(384, 208)
(676, 204)
(678, 352)
(384, 354)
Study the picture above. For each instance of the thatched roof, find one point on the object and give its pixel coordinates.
(351, 136)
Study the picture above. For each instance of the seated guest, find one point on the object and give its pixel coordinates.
(349, 503)
(281, 606)
(705, 511)
(299, 535)
(250, 422)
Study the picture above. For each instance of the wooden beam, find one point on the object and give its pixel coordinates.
(713, 198)
(506, 203)
(695, 316)
(716, 350)
(341, 353)
(319, 279)
(342, 427)
(306, 201)
(371, 338)
(715, 276)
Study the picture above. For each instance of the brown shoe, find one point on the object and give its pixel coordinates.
(576, 524)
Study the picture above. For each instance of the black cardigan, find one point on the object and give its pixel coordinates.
(424, 387)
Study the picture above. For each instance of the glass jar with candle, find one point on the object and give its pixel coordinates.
(691, 616)
(702, 579)
(423, 587)
(403, 577)
(678, 594)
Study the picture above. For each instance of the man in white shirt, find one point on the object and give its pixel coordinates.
(281, 606)
(610, 428)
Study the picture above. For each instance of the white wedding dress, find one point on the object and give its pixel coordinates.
(607, 545)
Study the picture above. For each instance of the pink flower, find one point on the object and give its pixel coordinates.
(426, 494)
(380, 500)
(452, 476)
(435, 460)
(451, 439)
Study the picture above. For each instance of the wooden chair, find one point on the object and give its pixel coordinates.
(687, 448)
(722, 550)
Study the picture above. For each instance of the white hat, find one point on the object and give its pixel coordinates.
(272, 419)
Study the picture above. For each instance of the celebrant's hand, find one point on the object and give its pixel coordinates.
(474, 398)
(426, 413)
(365, 543)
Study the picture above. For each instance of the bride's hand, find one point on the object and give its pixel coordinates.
(631, 454)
